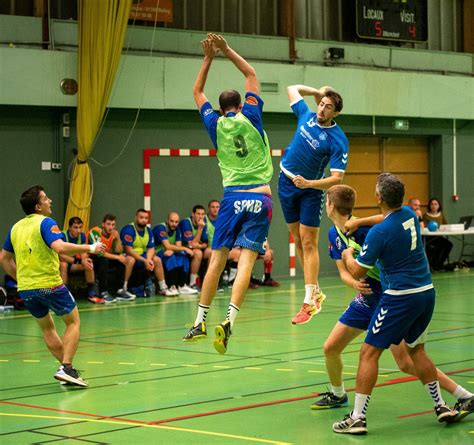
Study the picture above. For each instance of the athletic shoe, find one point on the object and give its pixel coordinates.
(196, 332)
(173, 290)
(464, 407)
(318, 298)
(125, 295)
(195, 287)
(350, 426)
(270, 283)
(330, 400)
(307, 311)
(107, 297)
(446, 414)
(96, 300)
(166, 292)
(223, 332)
(220, 289)
(253, 285)
(305, 314)
(186, 290)
(70, 375)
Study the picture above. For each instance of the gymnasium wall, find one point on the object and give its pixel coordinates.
(27, 137)
(379, 84)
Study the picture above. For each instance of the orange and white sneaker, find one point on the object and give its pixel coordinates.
(318, 298)
(305, 314)
(307, 311)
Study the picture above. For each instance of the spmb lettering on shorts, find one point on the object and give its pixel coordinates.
(248, 205)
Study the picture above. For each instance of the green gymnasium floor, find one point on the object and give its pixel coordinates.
(148, 387)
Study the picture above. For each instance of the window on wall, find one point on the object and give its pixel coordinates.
(405, 157)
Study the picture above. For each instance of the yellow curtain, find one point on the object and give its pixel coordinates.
(102, 25)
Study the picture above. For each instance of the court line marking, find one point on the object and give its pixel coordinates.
(148, 425)
(222, 411)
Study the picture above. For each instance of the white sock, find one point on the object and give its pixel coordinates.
(162, 285)
(309, 290)
(232, 273)
(202, 313)
(435, 392)
(125, 285)
(192, 278)
(232, 312)
(361, 404)
(338, 390)
(460, 393)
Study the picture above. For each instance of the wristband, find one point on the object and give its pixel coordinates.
(92, 248)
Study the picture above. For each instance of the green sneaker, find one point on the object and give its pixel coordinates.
(330, 400)
(223, 332)
(196, 332)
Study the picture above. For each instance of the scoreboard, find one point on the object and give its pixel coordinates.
(401, 20)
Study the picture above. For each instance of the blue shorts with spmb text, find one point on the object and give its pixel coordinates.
(243, 220)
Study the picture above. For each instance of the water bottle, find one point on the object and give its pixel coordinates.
(6, 308)
(225, 279)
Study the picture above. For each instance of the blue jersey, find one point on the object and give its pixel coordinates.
(162, 232)
(128, 235)
(252, 110)
(68, 238)
(313, 146)
(49, 231)
(337, 244)
(397, 244)
(188, 230)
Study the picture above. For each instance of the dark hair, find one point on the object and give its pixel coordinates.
(74, 220)
(343, 197)
(109, 217)
(391, 189)
(434, 199)
(213, 200)
(336, 98)
(229, 99)
(198, 207)
(141, 211)
(29, 198)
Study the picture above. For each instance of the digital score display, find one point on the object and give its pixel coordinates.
(401, 20)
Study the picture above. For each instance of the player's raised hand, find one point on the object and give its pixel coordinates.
(218, 41)
(208, 48)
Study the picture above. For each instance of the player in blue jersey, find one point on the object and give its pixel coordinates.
(318, 141)
(139, 245)
(174, 256)
(31, 256)
(406, 307)
(340, 201)
(194, 236)
(243, 152)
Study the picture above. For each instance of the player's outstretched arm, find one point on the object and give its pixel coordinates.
(198, 87)
(353, 224)
(251, 81)
(63, 248)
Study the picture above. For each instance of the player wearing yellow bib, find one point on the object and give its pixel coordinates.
(30, 255)
(244, 159)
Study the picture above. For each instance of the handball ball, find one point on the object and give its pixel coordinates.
(432, 226)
